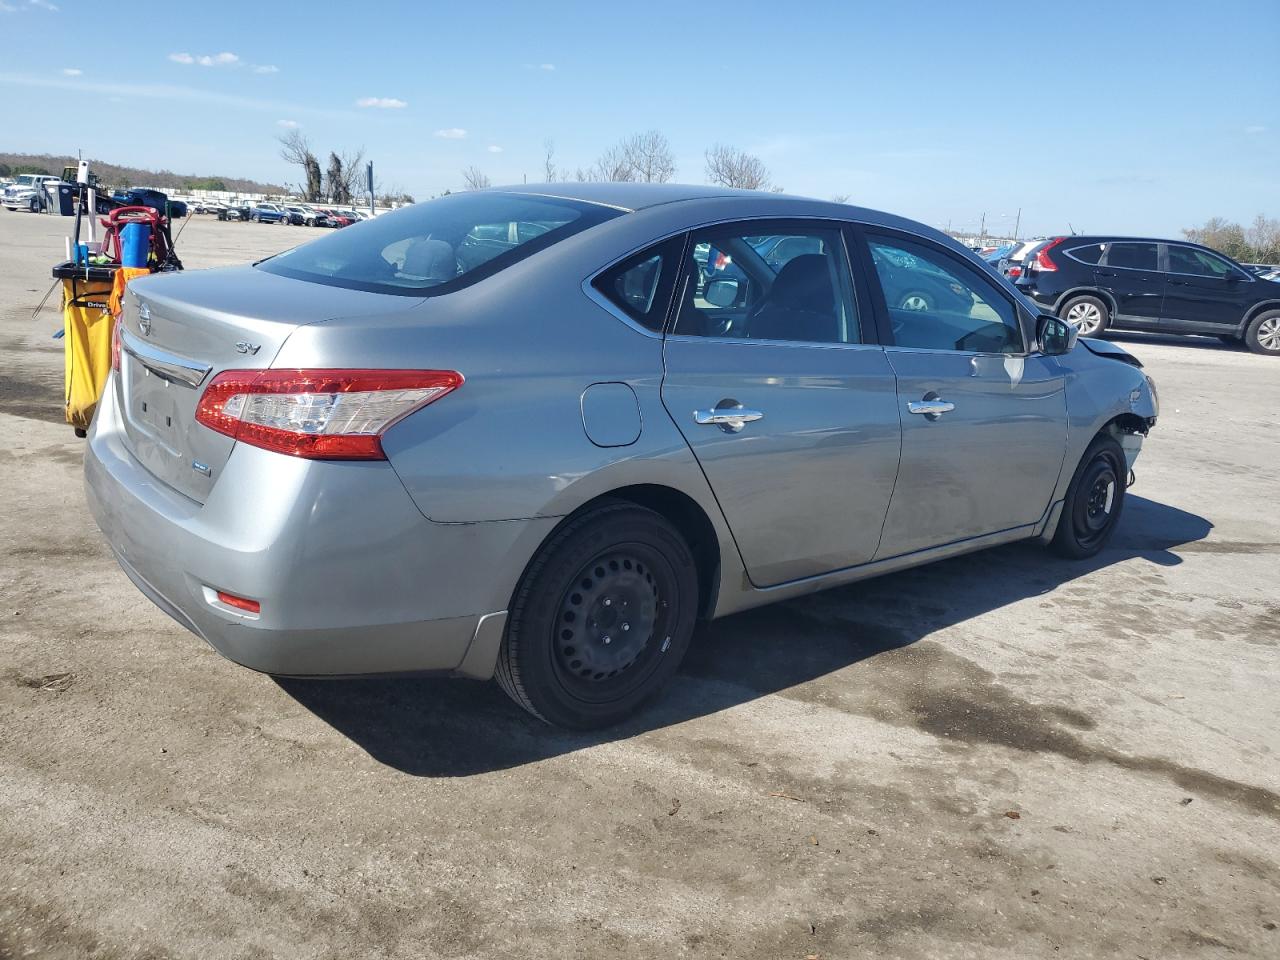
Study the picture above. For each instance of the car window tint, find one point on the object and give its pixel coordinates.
(769, 286)
(1090, 253)
(641, 285)
(938, 302)
(1133, 256)
(1197, 262)
(438, 246)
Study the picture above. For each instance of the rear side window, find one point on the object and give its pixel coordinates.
(641, 285)
(1132, 256)
(1090, 253)
(436, 247)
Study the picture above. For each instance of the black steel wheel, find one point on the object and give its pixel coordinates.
(1094, 500)
(601, 618)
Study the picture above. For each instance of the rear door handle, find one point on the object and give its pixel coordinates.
(729, 415)
(931, 407)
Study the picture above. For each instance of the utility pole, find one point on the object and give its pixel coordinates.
(983, 230)
(1016, 224)
(369, 174)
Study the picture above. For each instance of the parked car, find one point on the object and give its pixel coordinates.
(27, 192)
(1011, 265)
(316, 217)
(547, 460)
(341, 218)
(297, 216)
(237, 210)
(264, 212)
(143, 197)
(1167, 286)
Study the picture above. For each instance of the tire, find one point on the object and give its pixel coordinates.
(1095, 500)
(1263, 335)
(34, 206)
(1091, 315)
(916, 300)
(601, 619)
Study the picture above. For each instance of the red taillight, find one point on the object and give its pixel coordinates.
(1043, 260)
(319, 414)
(240, 603)
(1015, 271)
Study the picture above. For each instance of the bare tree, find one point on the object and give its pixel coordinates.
(649, 157)
(612, 166)
(475, 179)
(840, 198)
(296, 149)
(549, 161)
(731, 167)
(335, 182)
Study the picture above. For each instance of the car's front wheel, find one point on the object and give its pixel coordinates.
(34, 206)
(1089, 315)
(1094, 500)
(916, 300)
(601, 619)
(1263, 335)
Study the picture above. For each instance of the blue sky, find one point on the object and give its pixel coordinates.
(1135, 117)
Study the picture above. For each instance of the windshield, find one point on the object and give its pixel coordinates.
(26, 180)
(438, 246)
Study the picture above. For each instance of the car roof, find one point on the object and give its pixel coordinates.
(633, 196)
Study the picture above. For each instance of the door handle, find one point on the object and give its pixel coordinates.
(729, 415)
(931, 406)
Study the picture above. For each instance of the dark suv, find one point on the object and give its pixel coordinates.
(1166, 286)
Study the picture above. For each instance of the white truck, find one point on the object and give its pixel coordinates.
(28, 193)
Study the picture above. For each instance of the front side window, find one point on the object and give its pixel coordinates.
(1198, 262)
(938, 302)
(439, 246)
(641, 285)
(752, 284)
(1132, 256)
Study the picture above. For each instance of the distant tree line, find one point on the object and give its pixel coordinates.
(646, 158)
(115, 175)
(1257, 243)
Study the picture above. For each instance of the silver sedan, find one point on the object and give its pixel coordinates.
(539, 432)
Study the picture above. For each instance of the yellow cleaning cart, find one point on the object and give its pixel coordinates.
(87, 323)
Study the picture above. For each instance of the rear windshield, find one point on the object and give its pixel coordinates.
(439, 246)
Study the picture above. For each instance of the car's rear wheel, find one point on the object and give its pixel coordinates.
(1089, 315)
(601, 619)
(1094, 500)
(1263, 335)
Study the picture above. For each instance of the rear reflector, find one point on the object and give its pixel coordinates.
(319, 414)
(1015, 271)
(240, 603)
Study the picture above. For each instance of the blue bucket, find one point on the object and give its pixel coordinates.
(135, 244)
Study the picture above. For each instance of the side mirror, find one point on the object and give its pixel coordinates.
(721, 293)
(1055, 335)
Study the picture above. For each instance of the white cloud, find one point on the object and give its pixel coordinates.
(207, 59)
(382, 103)
(494, 148)
(44, 5)
(71, 71)
(546, 66)
(1255, 129)
(7, 7)
(287, 124)
(452, 133)
(266, 68)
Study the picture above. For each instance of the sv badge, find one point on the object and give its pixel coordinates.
(144, 319)
(244, 346)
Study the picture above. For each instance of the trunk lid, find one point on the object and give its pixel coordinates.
(178, 331)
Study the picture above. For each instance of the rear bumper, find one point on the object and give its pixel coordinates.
(351, 577)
